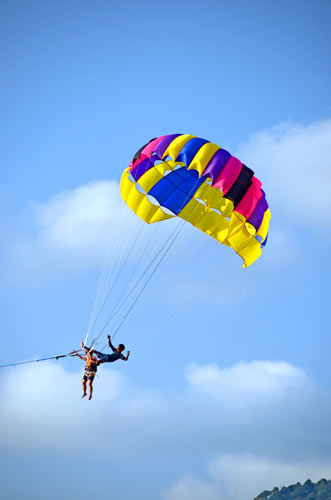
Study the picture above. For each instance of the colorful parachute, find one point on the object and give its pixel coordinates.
(185, 176)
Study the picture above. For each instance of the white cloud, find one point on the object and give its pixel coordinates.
(41, 406)
(80, 225)
(250, 422)
(242, 477)
(293, 161)
(190, 487)
(70, 230)
(77, 228)
(77, 220)
(244, 382)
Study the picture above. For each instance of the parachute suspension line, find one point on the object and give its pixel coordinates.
(174, 236)
(190, 299)
(132, 276)
(153, 326)
(115, 263)
(149, 279)
(143, 253)
(173, 271)
(180, 226)
(119, 271)
(172, 239)
(122, 250)
(113, 272)
(110, 272)
(105, 275)
(140, 278)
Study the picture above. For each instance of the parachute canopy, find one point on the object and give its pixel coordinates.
(191, 178)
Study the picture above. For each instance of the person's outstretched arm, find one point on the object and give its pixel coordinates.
(86, 349)
(110, 344)
(81, 357)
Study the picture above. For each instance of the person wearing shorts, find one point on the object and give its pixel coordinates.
(91, 367)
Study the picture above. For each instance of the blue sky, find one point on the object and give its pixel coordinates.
(230, 395)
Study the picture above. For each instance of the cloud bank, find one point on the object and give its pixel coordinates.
(294, 163)
(72, 229)
(244, 382)
(249, 421)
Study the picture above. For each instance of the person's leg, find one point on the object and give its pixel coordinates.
(88, 349)
(84, 386)
(90, 384)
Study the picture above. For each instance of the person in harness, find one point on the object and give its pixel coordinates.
(108, 358)
(91, 366)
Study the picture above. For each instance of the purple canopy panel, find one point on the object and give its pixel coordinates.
(216, 164)
(162, 146)
(257, 216)
(142, 168)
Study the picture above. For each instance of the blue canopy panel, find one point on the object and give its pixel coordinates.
(190, 149)
(263, 244)
(176, 189)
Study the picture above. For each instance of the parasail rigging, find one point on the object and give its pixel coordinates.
(172, 180)
(187, 179)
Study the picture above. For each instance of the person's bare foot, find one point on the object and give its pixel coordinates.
(90, 397)
(83, 396)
